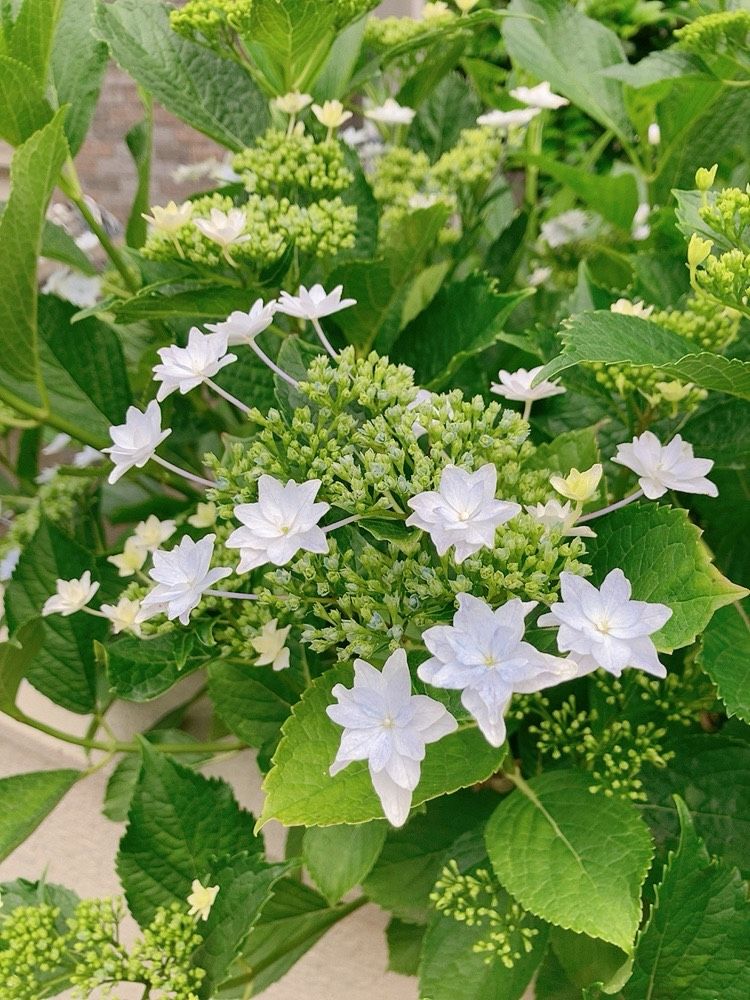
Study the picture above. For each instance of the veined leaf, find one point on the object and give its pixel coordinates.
(725, 656)
(25, 800)
(77, 67)
(290, 40)
(340, 857)
(575, 859)
(23, 106)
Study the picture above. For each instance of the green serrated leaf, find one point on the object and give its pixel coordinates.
(30, 39)
(23, 106)
(611, 338)
(245, 882)
(179, 821)
(697, 938)
(562, 45)
(25, 800)
(725, 656)
(64, 668)
(253, 701)
(660, 551)
(575, 859)
(199, 87)
(300, 791)
(464, 319)
(141, 670)
(290, 40)
(712, 773)
(571, 450)
(77, 67)
(340, 857)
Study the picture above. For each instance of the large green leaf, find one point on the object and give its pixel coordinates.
(253, 701)
(570, 50)
(464, 319)
(725, 656)
(451, 107)
(23, 106)
(660, 551)
(720, 429)
(300, 791)
(410, 862)
(697, 938)
(25, 800)
(34, 171)
(712, 773)
(64, 669)
(199, 87)
(245, 882)
(289, 40)
(290, 923)
(573, 858)
(141, 670)
(380, 286)
(179, 822)
(611, 338)
(77, 67)
(340, 857)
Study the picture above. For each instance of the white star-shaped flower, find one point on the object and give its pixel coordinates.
(331, 114)
(391, 113)
(604, 628)
(201, 899)
(123, 616)
(666, 467)
(314, 303)
(578, 486)
(71, 596)
(152, 532)
(182, 576)
(283, 521)
(184, 368)
(483, 655)
(517, 385)
(554, 514)
(389, 727)
(293, 102)
(225, 228)
(271, 646)
(131, 559)
(205, 515)
(135, 441)
(517, 117)
(540, 96)
(169, 218)
(463, 512)
(243, 327)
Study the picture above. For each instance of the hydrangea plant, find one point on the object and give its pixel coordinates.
(413, 446)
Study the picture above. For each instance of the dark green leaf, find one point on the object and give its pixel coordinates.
(179, 822)
(141, 670)
(404, 946)
(57, 245)
(340, 857)
(77, 67)
(253, 701)
(23, 107)
(15, 656)
(25, 800)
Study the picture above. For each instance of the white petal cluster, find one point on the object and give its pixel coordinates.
(463, 512)
(184, 368)
(182, 576)
(391, 113)
(171, 217)
(313, 303)
(293, 102)
(516, 118)
(604, 628)
(152, 533)
(540, 96)
(331, 114)
(135, 441)
(123, 616)
(554, 514)
(389, 727)
(283, 521)
(225, 228)
(243, 327)
(201, 899)
(131, 559)
(483, 655)
(518, 386)
(271, 646)
(71, 596)
(666, 467)
(580, 487)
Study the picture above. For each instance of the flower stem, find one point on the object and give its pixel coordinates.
(191, 477)
(527, 409)
(274, 367)
(227, 395)
(340, 524)
(323, 339)
(232, 595)
(613, 506)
